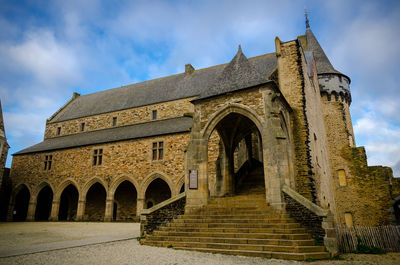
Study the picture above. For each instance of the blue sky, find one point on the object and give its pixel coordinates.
(49, 49)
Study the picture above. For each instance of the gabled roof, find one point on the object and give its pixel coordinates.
(238, 74)
(322, 62)
(148, 129)
(155, 91)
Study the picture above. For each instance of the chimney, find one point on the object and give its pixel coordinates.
(189, 69)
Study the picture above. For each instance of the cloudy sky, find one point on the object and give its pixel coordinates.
(49, 49)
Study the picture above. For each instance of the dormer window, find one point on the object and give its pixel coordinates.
(82, 126)
(114, 122)
(58, 130)
(154, 114)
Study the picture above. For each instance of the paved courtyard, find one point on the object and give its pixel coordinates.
(116, 243)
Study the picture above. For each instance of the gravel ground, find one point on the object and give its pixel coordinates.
(131, 252)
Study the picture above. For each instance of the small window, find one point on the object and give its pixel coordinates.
(348, 218)
(82, 126)
(154, 114)
(340, 78)
(114, 122)
(97, 157)
(58, 130)
(342, 177)
(47, 162)
(158, 150)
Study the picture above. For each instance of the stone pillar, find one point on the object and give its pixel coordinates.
(330, 241)
(81, 210)
(55, 207)
(10, 212)
(139, 206)
(249, 147)
(31, 209)
(197, 160)
(108, 215)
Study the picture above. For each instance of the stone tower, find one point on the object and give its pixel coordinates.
(3, 145)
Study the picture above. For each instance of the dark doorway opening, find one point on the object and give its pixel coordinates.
(68, 204)
(115, 208)
(21, 204)
(43, 205)
(95, 203)
(158, 191)
(126, 196)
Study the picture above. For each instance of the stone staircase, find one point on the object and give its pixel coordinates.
(240, 225)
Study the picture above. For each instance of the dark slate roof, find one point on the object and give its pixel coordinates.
(322, 62)
(238, 74)
(148, 129)
(155, 91)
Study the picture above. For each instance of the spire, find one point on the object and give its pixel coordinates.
(2, 130)
(238, 74)
(322, 62)
(306, 15)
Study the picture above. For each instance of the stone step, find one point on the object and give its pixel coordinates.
(273, 248)
(234, 225)
(234, 230)
(264, 216)
(264, 254)
(279, 242)
(231, 220)
(301, 236)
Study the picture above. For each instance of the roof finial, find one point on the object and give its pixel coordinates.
(240, 49)
(306, 15)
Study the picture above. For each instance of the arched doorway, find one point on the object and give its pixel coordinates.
(95, 203)
(126, 195)
(21, 204)
(158, 191)
(43, 204)
(234, 157)
(68, 204)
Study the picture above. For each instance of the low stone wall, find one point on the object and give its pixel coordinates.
(308, 219)
(319, 222)
(162, 213)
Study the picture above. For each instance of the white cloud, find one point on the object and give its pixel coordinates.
(48, 60)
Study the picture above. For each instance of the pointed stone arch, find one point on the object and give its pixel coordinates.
(179, 184)
(64, 185)
(19, 202)
(39, 187)
(155, 175)
(43, 195)
(89, 184)
(114, 185)
(225, 111)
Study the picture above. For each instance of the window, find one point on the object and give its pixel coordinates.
(348, 218)
(158, 150)
(114, 123)
(58, 130)
(340, 78)
(47, 162)
(154, 114)
(97, 157)
(82, 126)
(342, 177)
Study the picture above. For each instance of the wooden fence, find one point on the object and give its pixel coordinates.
(383, 237)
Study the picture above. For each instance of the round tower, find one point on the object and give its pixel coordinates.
(335, 93)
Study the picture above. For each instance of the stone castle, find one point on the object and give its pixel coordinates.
(200, 135)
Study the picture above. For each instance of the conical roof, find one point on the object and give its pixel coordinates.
(238, 74)
(322, 62)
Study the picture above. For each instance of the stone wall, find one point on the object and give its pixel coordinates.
(165, 110)
(308, 219)
(130, 160)
(150, 222)
(291, 83)
(367, 195)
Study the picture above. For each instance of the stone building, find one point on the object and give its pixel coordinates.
(4, 172)
(111, 154)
